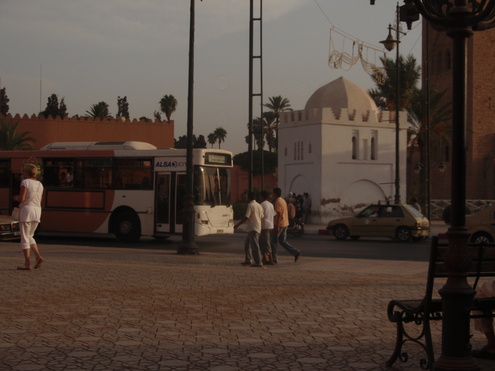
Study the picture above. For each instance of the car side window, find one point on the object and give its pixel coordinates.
(391, 212)
(370, 212)
(386, 212)
(397, 212)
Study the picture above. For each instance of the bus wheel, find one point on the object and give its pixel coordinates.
(127, 228)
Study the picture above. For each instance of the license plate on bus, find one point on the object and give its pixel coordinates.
(219, 230)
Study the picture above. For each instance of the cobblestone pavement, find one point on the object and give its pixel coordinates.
(96, 309)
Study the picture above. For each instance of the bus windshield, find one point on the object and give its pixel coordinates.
(212, 186)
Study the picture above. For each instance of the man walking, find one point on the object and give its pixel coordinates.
(266, 228)
(254, 214)
(280, 227)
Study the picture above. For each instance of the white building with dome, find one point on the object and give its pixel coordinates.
(341, 151)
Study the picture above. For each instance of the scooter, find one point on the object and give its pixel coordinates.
(296, 228)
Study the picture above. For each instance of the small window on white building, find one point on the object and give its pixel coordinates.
(309, 148)
(355, 145)
(374, 145)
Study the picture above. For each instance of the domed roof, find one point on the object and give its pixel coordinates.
(341, 93)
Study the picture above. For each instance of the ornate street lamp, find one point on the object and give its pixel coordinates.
(389, 43)
(459, 18)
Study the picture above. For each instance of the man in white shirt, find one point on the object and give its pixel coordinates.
(254, 215)
(266, 228)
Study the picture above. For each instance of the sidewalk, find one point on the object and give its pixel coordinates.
(436, 226)
(118, 309)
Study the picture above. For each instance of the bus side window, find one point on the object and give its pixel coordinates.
(57, 173)
(133, 173)
(93, 174)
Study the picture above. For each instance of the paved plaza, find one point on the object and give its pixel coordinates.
(90, 308)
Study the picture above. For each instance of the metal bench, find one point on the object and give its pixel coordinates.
(421, 311)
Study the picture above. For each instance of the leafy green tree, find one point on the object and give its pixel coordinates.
(99, 110)
(62, 108)
(54, 108)
(168, 104)
(198, 142)
(212, 139)
(4, 102)
(11, 140)
(220, 135)
(122, 107)
(270, 159)
(181, 142)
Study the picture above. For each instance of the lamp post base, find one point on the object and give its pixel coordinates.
(188, 245)
(457, 299)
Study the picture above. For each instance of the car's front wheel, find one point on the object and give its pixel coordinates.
(403, 234)
(341, 232)
(481, 237)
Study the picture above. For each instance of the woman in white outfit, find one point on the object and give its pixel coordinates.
(30, 214)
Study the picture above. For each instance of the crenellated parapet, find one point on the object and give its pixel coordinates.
(354, 117)
(77, 118)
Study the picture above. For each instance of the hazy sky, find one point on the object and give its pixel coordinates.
(96, 50)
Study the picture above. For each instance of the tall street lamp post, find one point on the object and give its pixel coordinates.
(389, 43)
(459, 18)
(188, 245)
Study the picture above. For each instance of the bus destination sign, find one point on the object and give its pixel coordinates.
(218, 159)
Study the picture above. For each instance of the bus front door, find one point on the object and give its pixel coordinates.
(169, 200)
(162, 203)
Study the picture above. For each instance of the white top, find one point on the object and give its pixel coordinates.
(31, 206)
(254, 213)
(269, 211)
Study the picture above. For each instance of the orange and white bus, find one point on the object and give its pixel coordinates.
(129, 189)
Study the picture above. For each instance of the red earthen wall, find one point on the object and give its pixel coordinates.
(44, 131)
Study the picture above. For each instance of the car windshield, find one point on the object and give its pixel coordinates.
(414, 211)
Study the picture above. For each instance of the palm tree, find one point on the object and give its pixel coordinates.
(212, 139)
(10, 140)
(440, 115)
(385, 94)
(168, 104)
(99, 110)
(220, 135)
(270, 127)
(277, 105)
